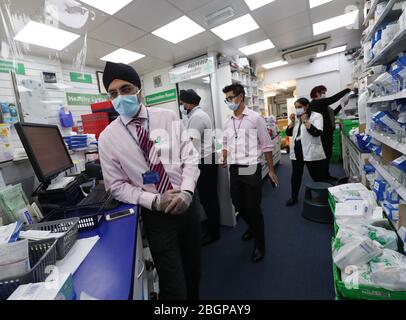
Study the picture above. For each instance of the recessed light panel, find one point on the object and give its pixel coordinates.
(123, 56)
(335, 23)
(236, 27)
(179, 30)
(45, 36)
(275, 64)
(255, 4)
(316, 3)
(257, 47)
(107, 6)
(331, 51)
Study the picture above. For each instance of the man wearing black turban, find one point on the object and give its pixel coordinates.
(162, 183)
(200, 131)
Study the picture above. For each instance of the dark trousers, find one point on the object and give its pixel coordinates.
(246, 195)
(315, 169)
(207, 187)
(327, 142)
(174, 241)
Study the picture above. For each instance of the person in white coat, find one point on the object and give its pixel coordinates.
(306, 148)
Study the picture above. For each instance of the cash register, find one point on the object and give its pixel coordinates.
(50, 158)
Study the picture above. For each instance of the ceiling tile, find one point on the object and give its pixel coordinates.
(287, 25)
(188, 5)
(116, 32)
(198, 15)
(294, 38)
(279, 10)
(145, 64)
(149, 15)
(154, 46)
(248, 38)
(200, 41)
(331, 10)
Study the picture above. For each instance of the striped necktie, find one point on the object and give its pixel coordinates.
(152, 158)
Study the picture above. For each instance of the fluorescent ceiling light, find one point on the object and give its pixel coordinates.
(316, 3)
(206, 80)
(335, 23)
(331, 51)
(282, 86)
(45, 36)
(275, 64)
(257, 47)
(123, 56)
(179, 30)
(255, 4)
(107, 6)
(236, 27)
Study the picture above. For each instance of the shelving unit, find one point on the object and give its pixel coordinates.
(401, 147)
(371, 11)
(401, 190)
(387, 15)
(397, 96)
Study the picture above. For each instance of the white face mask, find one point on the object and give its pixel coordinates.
(323, 95)
(183, 109)
(300, 112)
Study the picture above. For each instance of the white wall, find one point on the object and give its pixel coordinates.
(148, 81)
(334, 71)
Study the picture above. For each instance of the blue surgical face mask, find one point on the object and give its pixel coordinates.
(127, 106)
(300, 112)
(232, 106)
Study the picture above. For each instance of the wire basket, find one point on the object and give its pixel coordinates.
(65, 243)
(42, 254)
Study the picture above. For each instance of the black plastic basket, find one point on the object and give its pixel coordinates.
(87, 220)
(42, 254)
(65, 243)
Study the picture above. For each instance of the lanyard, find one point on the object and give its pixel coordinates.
(236, 130)
(146, 155)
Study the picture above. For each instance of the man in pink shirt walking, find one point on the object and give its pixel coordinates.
(246, 141)
(146, 161)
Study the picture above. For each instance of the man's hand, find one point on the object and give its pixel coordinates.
(164, 200)
(274, 178)
(223, 160)
(180, 203)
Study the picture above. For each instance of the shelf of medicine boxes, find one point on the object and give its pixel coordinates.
(371, 11)
(397, 96)
(387, 15)
(391, 51)
(401, 190)
(401, 147)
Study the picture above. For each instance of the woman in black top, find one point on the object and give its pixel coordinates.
(321, 104)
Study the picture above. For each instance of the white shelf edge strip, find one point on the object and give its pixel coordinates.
(388, 177)
(401, 147)
(400, 95)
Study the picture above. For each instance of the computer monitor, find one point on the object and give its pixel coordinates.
(45, 149)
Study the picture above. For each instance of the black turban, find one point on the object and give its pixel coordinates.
(120, 71)
(189, 96)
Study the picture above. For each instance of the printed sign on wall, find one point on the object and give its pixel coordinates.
(161, 97)
(81, 99)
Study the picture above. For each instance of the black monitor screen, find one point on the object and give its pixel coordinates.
(45, 149)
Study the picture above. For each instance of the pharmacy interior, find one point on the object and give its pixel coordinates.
(56, 212)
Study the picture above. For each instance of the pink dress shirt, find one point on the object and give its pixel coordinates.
(246, 138)
(123, 162)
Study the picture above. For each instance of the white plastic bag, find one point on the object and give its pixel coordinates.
(357, 252)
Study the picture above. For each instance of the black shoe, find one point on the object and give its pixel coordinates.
(208, 239)
(247, 235)
(257, 255)
(291, 202)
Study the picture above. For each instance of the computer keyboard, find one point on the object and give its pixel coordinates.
(60, 184)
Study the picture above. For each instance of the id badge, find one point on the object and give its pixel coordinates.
(151, 177)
